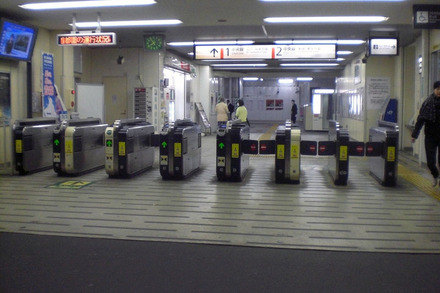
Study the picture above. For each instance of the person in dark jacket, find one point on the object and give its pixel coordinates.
(231, 109)
(429, 116)
(293, 112)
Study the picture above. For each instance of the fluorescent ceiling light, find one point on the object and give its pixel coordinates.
(324, 91)
(180, 44)
(332, 0)
(240, 65)
(310, 42)
(309, 64)
(285, 81)
(326, 19)
(235, 60)
(127, 23)
(250, 78)
(202, 43)
(344, 53)
(350, 42)
(304, 78)
(238, 42)
(85, 4)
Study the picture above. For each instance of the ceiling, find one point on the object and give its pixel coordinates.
(235, 20)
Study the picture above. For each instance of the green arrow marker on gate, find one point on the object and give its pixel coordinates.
(164, 144)
(109, 143)
(56, 142)
(221, 145)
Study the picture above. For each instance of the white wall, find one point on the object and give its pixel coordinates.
(256, 93)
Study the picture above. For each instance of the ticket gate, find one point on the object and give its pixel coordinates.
(180, 144)
(233, 145)
(128, 147)
(78, 146)
(339, 148)
(288, 149)
(33, 144)
(382, 152)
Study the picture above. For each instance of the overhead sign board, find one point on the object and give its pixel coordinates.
(265, 52)
(383, 46)
(89, 39)
(426, 16)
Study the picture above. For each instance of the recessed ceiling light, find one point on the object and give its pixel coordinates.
(126, 23)
(250, 78)
(304, 78)
(85, 4)
(326, 19)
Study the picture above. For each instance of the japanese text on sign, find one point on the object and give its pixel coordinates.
(266, 52)
(98, 39)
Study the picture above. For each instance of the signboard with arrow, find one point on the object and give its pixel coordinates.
(312, 51)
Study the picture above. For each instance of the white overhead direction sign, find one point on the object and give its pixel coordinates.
(324, 51)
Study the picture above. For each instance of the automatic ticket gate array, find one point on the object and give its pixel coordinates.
(129, 147)
(33, 144)
(180, 145)
(78, 146)
(233, 144)
(288, 148)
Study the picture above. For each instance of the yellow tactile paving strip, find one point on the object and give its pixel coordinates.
(419, 181)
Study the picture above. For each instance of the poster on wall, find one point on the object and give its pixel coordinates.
(53, 105)
(378, 90)
(270, 104)
(49, 102)
(5, 96)
(279, 104)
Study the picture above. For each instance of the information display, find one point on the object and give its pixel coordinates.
(327, 51)
(93, 39)
(17, 40)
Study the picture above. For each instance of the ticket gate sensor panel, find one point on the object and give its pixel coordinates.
(180, 149)
(78, 146)
(287, 154)
(233, 145)
(339, 148)
(33, 144)
(383, 156)
(128, 147)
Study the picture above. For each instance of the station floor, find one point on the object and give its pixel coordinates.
(92, 233)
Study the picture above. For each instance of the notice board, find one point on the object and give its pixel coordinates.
(90, 100)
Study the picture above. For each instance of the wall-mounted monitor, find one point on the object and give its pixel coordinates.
(17, 40)
(379, 46)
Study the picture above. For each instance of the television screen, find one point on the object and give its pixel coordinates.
(17, 40)
(384, 47)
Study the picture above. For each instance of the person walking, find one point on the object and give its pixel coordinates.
(222, 112)
(429, 116)
(293, 112)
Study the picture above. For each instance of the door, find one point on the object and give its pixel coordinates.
(115, 93)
